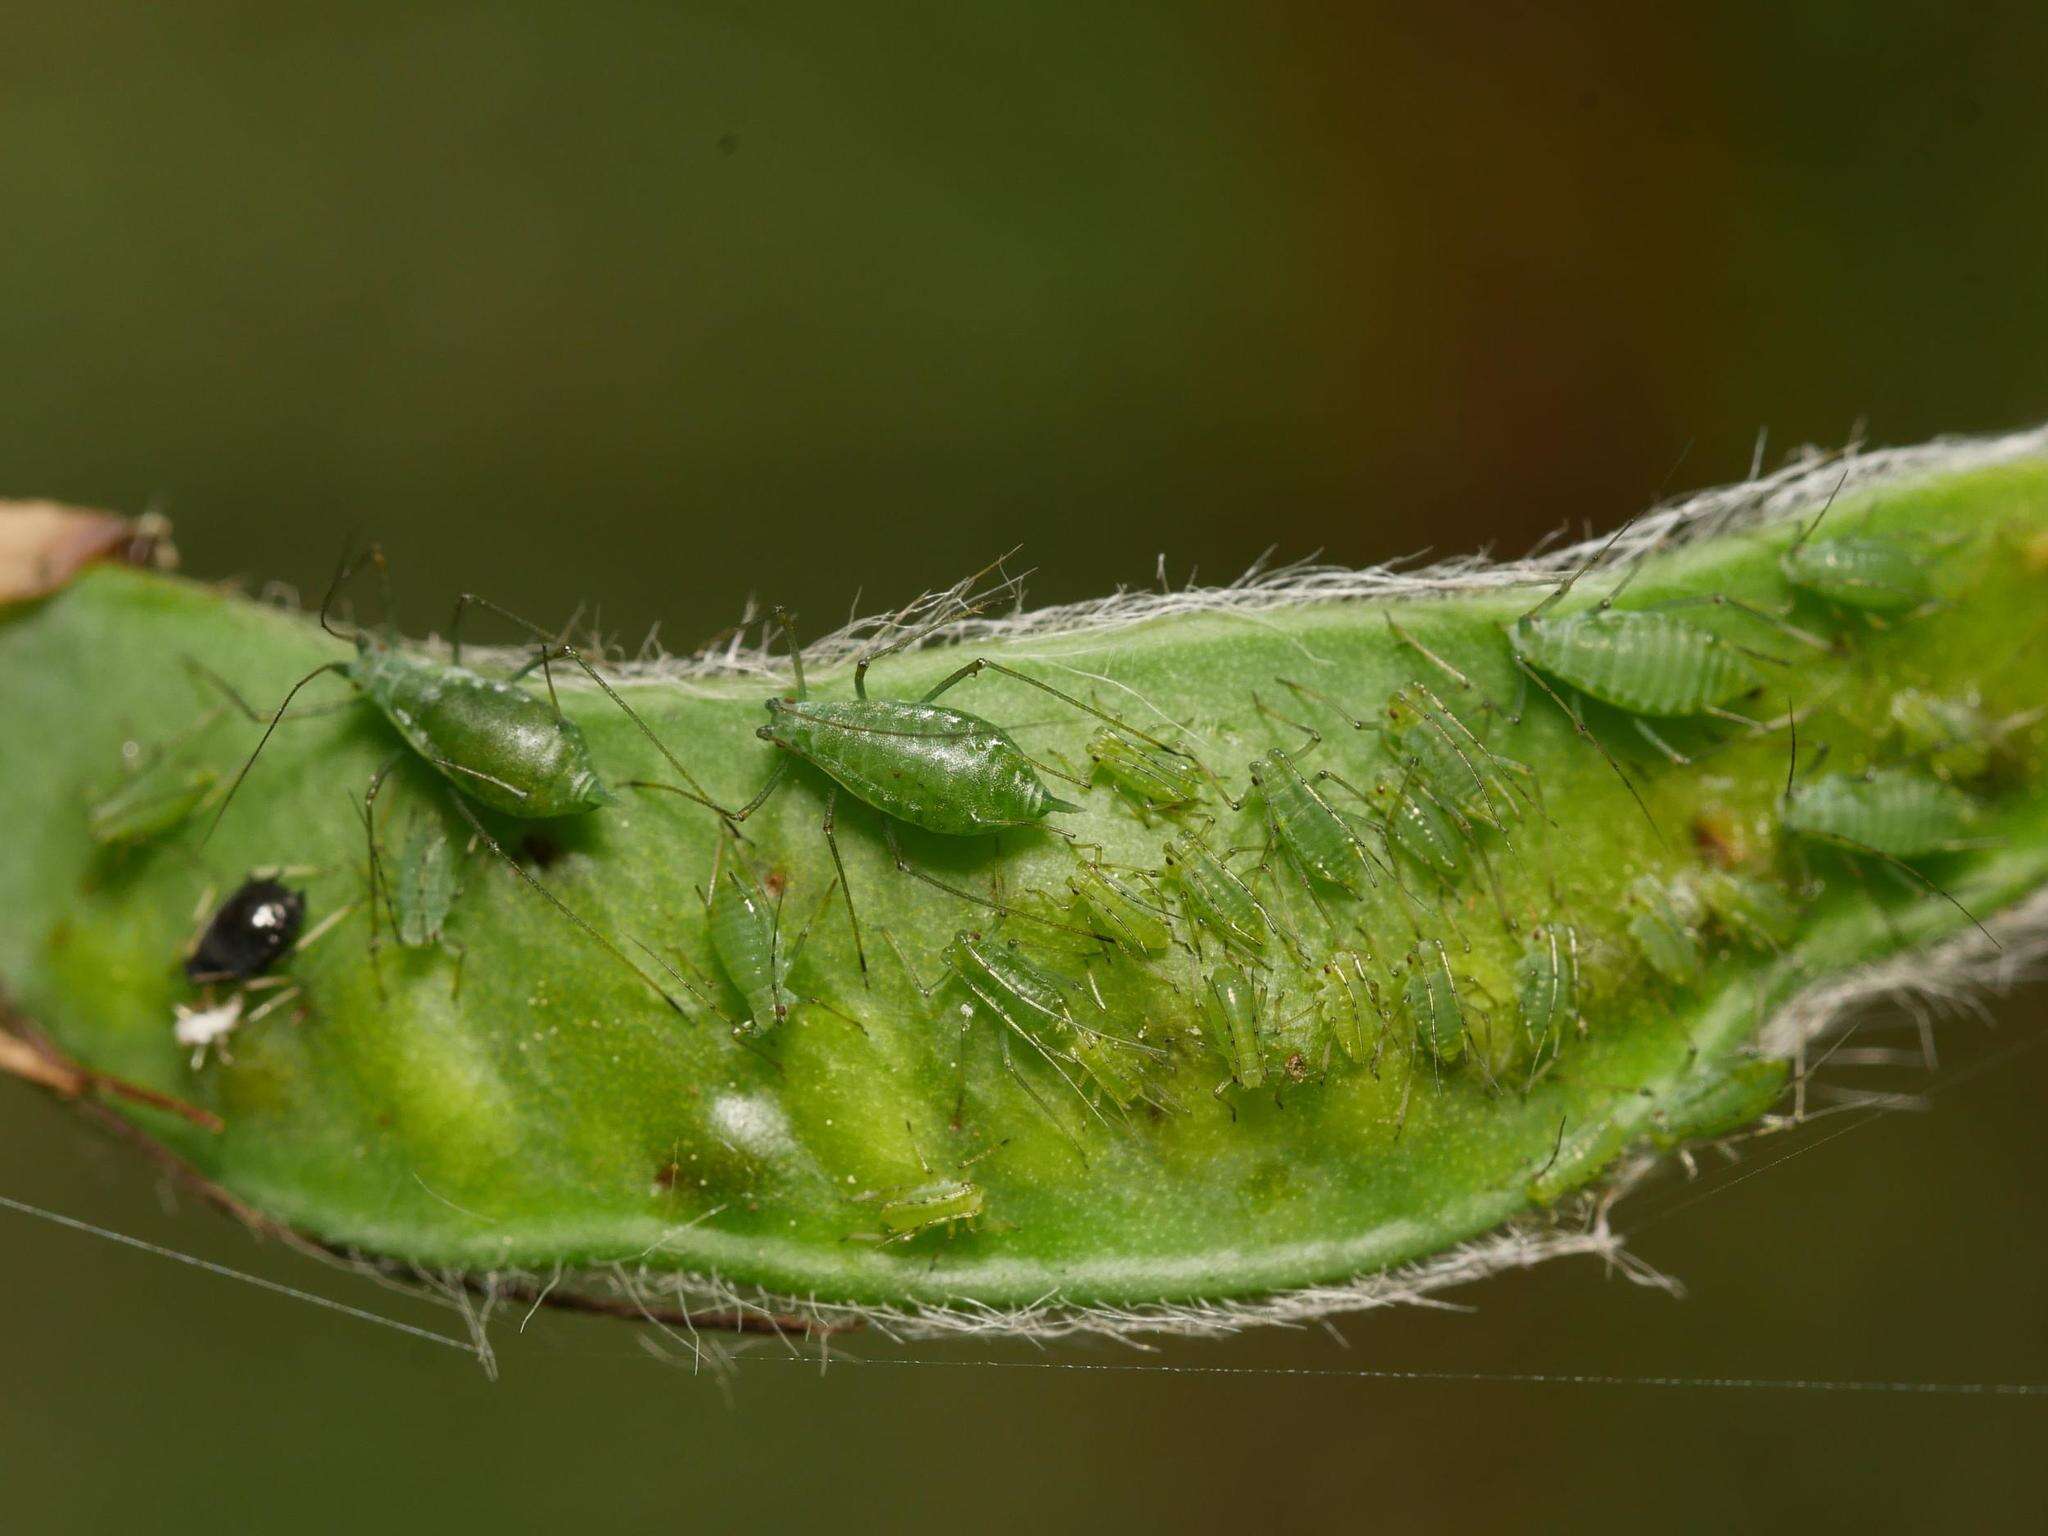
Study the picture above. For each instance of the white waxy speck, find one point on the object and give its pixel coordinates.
(756, 1125)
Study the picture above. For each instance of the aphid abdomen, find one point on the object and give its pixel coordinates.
(1900, 814)
(1547, 985)
(1153, 779)
(744, 937)
(1646, 663)
(1748, 911)
(1430, 996)
(1951, 737)
(1303, 823)
(498, 744)
(1349, 1004)
(1871, 575)
(1665, 930)
(937, 768)
(1214, 896)
(1025, 996)
(423, 885)
(1735, 1097)
(906, 1212)
(1231, 1023)
(1131, 923)
(150, 805)
(1419, 828)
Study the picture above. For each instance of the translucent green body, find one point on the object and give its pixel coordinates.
(1899, 813)
(1646, 663)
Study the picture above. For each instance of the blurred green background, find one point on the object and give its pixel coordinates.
(655, 306)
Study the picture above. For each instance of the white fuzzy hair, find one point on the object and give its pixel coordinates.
(1939, 978)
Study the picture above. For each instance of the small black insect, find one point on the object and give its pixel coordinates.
(253, 927)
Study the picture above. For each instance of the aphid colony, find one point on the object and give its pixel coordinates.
(1340, 940)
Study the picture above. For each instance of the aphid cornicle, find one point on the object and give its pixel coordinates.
(1891, 812)
(495, 743)
(251, 929)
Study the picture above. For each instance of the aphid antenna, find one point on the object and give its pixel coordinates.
(250, 762)
(1640, 558)
(1806, 533)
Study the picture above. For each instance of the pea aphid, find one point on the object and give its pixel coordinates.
(754, 948)
(495, 743)
(1954, 738)
(1213, 898)
(150, 804)
(1665, 929)
(1721, 1102)
(416, 885)
(1132, 921)
(1432, 1002)
(1349, 1002)
(1234, 1024)
(1154, 781)
(1547, 988)
(252, 928)
(1893, 812)
(1751, 912)
(1871, 575)
(947, 1201)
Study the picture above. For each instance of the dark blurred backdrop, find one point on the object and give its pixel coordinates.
(653, 306)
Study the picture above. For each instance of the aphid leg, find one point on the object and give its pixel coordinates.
(1585, 734)
(1315, 737)
(1672, 755)
(570, 653)
(376, 869)
(1910, 875)
(831, 831)
(228, 798)
(576, 918)
(1776, 621)
(1435, 660)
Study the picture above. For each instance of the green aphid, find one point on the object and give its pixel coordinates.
(1056, 927)
(1321, 842)
(1120, 1068)
(1665, 928)
(1349, 1003)
(1418, 826)
(149, 804)
(1431, 999)
(1129, 920)
(920, 1208)
(1953, 739)
(1233, 1024)
(417, 884)
(1751, 912)
(1213, 897)
(1157, 781)
(1300, 1044)
(754, 949)
(1871, 575)
(1547, 987)
(1892, 812)
(1723, 1102)
(1459, 771)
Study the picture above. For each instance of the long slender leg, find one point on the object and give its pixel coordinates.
(845, 886)
(589, 929)
(1585, 734)
(228, 798)
(376, 867)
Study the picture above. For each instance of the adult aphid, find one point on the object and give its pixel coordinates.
(252, 928)
(915, 760)
(494, 742)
